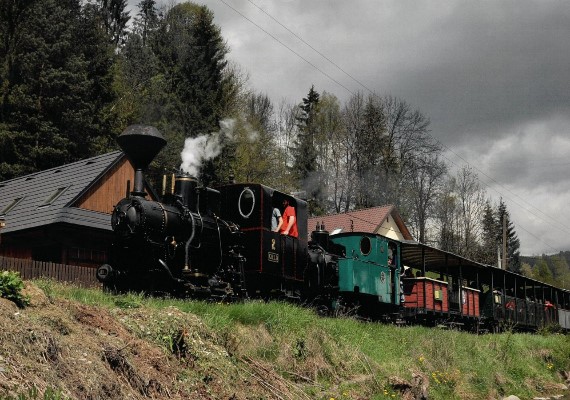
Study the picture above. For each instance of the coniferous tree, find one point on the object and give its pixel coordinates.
(99, 50)
(55, 89)
(13, 14)
(490, 240)
(305, 153)
(513, 242)
(191, 55)
(146, 20)
(369, 146)
(114, 18)
(138, 79)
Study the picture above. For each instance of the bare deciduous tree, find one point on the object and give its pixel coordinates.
(421, 191)
(471, 199)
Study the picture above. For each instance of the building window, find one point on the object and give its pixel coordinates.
(78, 255)
(48, 253)
(11, 206)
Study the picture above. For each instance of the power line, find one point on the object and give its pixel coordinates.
(535, 164)
(289, 48)
(310, 46)
(562, 227)
(559, 226)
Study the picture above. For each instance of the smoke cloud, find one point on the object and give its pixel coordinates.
(205, 147)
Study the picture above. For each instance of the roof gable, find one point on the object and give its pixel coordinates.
(380, 220)
(46, 193)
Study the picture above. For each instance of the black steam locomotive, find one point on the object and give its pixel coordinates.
(218, 243)
(200, 241)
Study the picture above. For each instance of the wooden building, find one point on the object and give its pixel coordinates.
(63, 214)
(385, 221)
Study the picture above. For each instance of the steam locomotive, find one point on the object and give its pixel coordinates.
(218, 243)
(200, 241)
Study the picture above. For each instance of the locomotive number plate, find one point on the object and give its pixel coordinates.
(273, 257)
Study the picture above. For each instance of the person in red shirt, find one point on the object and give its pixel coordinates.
(289, 226)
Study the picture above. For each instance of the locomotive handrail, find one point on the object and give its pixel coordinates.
(186, 248)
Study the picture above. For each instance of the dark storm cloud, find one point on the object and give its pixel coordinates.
(492, 76)
(473, 67)
(493, 66)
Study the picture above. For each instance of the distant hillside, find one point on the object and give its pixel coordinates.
(553, 269)
(532, 259)
(74, 343)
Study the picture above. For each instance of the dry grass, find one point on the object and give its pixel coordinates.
(84, 344)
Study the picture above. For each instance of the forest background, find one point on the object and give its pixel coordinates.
(74, 74)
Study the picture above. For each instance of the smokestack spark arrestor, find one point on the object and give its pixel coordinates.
(141, 144)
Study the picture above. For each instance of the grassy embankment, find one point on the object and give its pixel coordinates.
(341, 358)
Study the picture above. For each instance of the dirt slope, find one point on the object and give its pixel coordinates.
(84, 352)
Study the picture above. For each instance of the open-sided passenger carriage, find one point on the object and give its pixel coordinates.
(453, 290)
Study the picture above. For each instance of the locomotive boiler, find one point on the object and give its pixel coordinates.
(178, 245)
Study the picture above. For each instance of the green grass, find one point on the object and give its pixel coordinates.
(339, 355)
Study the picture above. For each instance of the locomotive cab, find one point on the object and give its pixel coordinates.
(273, 260)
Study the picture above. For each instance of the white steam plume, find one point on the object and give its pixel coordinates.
(205, 147)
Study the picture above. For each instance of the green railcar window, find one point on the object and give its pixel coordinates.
(365, 245)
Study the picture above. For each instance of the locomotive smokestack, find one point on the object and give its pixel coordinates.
(141, 144)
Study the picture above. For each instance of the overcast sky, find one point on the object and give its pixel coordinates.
(492, 76)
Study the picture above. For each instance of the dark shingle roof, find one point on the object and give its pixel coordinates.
(68, 182)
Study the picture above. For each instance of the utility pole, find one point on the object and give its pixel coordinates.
(499, 257)
(504, 264)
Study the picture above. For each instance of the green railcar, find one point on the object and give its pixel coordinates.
(369, 270)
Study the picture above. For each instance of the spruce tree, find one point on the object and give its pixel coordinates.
(138, 76)
(370, 144)
(305, 153)
(114, 18)
(56, 86)
(513, 242)
(191, 55)
(490, 238)
(146, 20)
